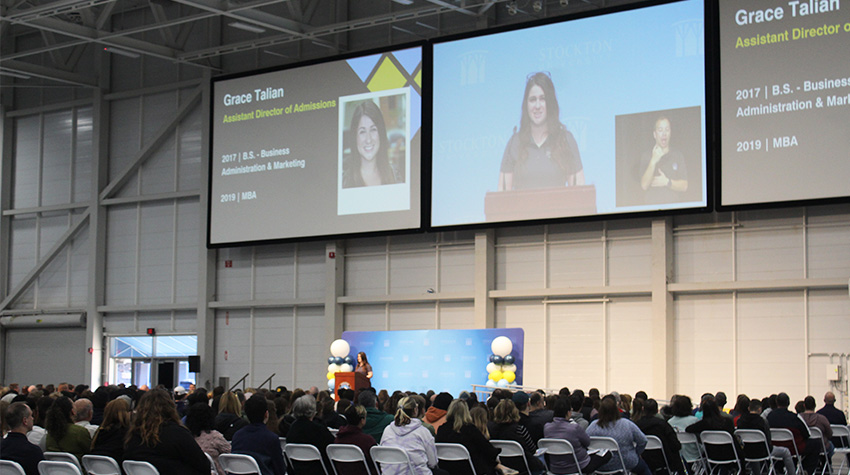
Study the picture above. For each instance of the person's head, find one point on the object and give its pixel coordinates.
(18, 417)
(561, 409)
(535, 401)
(60, 414)
(754, 407)
(256, 408)
(229, 404)
(200, 418)
(116, 414)
(442, 401)
(155, 409)
(720, 399)
(480, 416)
(741, 404)
(783, 401)
(304, 407)
(680, 405)
(650, 408)
(506, 412)
(196, 396)
(520, 399)
(361, 358)
(540, 104)
(407, 410)
(608, 412)
(709, 409)
(641, 395)
(662, 132)
(458, 414)
(83, 410)
(370, 135)
(355, 415)
(829, 398)
(800, 407)
(576, 401)
(368, 399)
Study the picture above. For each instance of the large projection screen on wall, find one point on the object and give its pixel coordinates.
(324, 149)
(598, 115)
(785, 100)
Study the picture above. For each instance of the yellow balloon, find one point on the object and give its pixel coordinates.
(496, 375)
(330, 375)
(509, 376)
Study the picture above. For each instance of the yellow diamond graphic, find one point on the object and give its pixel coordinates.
(386, 77)
(418, 79)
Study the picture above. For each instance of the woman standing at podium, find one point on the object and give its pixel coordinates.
(543, 153)
(363, 365)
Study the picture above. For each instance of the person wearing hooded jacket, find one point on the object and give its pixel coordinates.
(407, 433)
(436, 414)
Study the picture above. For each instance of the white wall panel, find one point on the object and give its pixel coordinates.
(630, 340)
(413, 272)
(576, 264)
(121, 254)
(188, 230)
(703, 256)
(311, 270)
(365, 274)
(519, 266)
(120, 323)
(78, 284)
(528, 316)
(232, 344)
(457, 269)
(456, 315)
(274, 269)
(156, 249)
(23, 248)
(576, 345)
(312, 355)
(234, 283)
(704, 358)
(770, 254)
(124, 134)
(413, 316)
(189, 157)
(272, 347)
(27, 155)
(829, 327)
(828, 251)
(56, 164)
(363, 318)
(83, 158)
(629, 261)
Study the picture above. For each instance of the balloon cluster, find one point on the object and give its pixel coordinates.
(339, 361)
(501, 369)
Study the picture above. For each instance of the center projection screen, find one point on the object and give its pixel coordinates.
(599, 115)
(325, 149)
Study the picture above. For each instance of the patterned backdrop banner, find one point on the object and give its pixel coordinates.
(442, 360)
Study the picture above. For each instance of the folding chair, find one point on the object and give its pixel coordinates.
(786, 436)
(756, 449)
(7, 467)
(841, 437)
(346, 453)
(213, 469)
(611, 445)
(719, 447)
(238, 464)
(395, 456)
(654, 455)
(56, 467)
(560, 448)
(135, 467)
(63, 457)
(511, 450)
(696, 465)
(305, 453)
(100, 465)
(816, 433)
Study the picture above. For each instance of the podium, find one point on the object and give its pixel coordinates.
(351, 380)
(540, 203)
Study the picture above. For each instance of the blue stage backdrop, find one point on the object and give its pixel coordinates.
(442, 360)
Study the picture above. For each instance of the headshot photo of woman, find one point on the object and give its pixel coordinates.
(368, 163)
(542, 153)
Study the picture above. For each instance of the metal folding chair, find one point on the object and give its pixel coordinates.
(305, 453)
(394, 456)
(239, 464)
(560, 448)
(63, 457)
(786, 436)
(756, 449)
(135, 467)
(719, 448)
(346, 453)
(841, 434)
(611, 445)
(7, 467)
(817, 434)
(697, 465)
(100, 465)
(511, 450)
(654, 455)
(56, 467)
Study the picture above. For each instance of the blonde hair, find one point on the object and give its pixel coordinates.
(459, 414)
(506, 412)
(407, 408)
(229, 404)
(479, 417)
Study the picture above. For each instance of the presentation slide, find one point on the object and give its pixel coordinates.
(785, 100)
(598, 115)
(327, 149)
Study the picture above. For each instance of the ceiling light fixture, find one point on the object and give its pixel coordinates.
(404, 2)
(247, 27)
(121, 52)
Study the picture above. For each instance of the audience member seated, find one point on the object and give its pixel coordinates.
(813, 419)
(257, 440)
(436, 414)
(506, 426)
(833, 415)
(645, 418)
(782, 418)
(99, 400)
(407, 433)
(563, 428)
(630, 439)
(156, 437)
(752, 420)
(109, 438)
(713, 420)
(200, 420)
(682, 410)
(83, 414)
(38, 435)
(16, 447)
(575, 402)
(538, 415)
(352, 434)
(459, 429)
(305, 430)
(229, 418)
(376, 420)
(62, 434)
(521, 401)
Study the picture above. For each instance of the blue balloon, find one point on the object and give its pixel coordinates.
(349, 360)
(498, 359)
(503, 383)
(509, 359)
(331, 383)
(339, 360)
(331, 360)
(490, 383)
(491, 358)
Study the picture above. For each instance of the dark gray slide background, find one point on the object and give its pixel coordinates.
(819, 167)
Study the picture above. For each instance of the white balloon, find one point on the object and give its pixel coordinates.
(346, 368)
(501, 346)
(490, 383)
(331, 368)
(340, 348)
(509, 367)
(491, 367)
